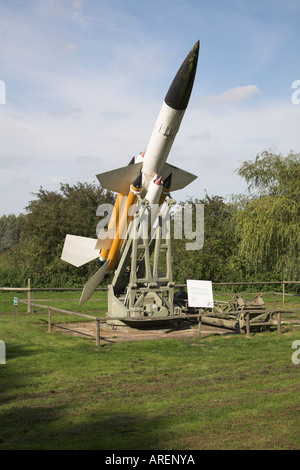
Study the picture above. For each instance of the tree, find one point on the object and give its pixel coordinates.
(9, 231)
(268, 220)
(217, 260)
(49, 218)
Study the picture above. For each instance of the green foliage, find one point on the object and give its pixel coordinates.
(9, 231)
(268, 220)
(42, 233)
(11, 276)
(252, 237)
(273, 174)
(217, 260)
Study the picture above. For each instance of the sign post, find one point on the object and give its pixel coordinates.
(200, 295)
(16, 308)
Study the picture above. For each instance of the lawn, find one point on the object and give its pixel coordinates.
(222, 392)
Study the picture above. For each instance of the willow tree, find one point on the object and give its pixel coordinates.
(217, 259)
(268, 220)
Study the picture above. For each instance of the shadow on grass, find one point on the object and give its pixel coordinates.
(41, 418)
(14, 351)
(47, 428)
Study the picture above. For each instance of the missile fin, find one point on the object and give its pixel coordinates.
(180, 178)
(93, 283)
(79, 250)
(119, 180)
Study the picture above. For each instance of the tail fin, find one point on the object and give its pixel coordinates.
(93, 283)
(180, 178)
(79, 250)
(119, 180)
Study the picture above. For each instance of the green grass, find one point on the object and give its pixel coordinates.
(63, 300)
(223, 392)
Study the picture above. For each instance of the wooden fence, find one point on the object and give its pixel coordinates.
(31, 303)
(90, 317)
(30, 290)
(104, 319)
(59, 310)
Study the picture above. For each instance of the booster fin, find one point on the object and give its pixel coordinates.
(93, 283)
(79, 250)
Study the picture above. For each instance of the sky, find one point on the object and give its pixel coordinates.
(82, 82)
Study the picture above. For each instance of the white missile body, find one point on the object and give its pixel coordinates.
(161, 141)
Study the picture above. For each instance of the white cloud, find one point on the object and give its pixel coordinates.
(239, 93)
(82, 85)
(235, 136)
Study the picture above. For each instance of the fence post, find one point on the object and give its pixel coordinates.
(97, 332)
(199, 326)
(283, 292)
(279, 322)
(16, 313)
(32, 300)
(49, 320)
(29, 296)
(274, 300)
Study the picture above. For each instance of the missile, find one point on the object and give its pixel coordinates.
(154, 177)
(153, 160)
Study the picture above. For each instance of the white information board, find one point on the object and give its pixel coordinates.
(200, 294)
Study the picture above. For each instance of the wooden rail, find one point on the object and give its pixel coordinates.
(59, 310)
(31, 304)
(31, 289)
(97, 319)
(138, 318)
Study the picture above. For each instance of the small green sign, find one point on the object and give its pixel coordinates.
(16, 301)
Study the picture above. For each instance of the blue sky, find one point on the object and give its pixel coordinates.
(85, 81)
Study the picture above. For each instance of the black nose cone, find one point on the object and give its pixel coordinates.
(181, 88)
